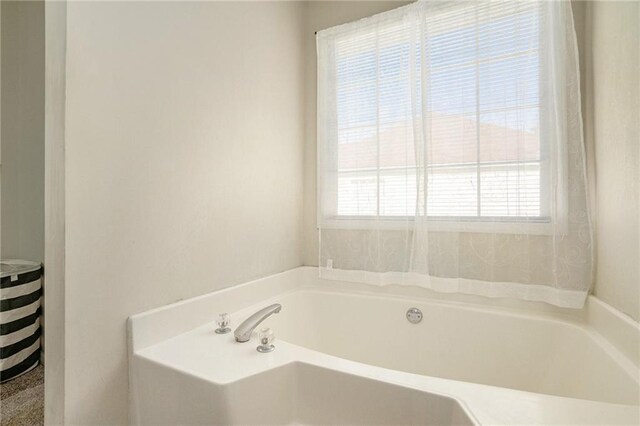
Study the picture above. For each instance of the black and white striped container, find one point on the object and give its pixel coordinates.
(20, 290)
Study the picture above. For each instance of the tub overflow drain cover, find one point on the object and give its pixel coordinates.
(414, 315)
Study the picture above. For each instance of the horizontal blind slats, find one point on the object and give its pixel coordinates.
(482, 121)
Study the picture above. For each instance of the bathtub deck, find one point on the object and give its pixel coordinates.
(218, 359)
(177, 344)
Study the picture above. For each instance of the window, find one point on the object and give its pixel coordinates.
(451, 153)
(443, 121)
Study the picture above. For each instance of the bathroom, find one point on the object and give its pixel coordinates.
(181, 169)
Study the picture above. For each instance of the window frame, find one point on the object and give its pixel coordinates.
(544, 224)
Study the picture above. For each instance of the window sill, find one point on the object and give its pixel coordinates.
(537, 226)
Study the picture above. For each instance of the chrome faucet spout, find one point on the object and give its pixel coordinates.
(244, 330)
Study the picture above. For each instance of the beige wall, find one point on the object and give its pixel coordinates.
(22, 131)
(55, 16)
(615, 38)
(184, 145)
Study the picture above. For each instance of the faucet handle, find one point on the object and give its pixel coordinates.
(266, 336)
(223, 324)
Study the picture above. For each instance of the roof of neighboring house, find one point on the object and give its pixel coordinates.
(452, 140)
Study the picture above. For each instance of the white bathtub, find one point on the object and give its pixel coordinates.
(469, 360)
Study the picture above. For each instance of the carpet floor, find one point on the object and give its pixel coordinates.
(22, 399)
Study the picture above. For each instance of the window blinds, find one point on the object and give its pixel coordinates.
(480, 67)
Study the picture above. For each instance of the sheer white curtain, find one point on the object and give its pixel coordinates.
(450, 151)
